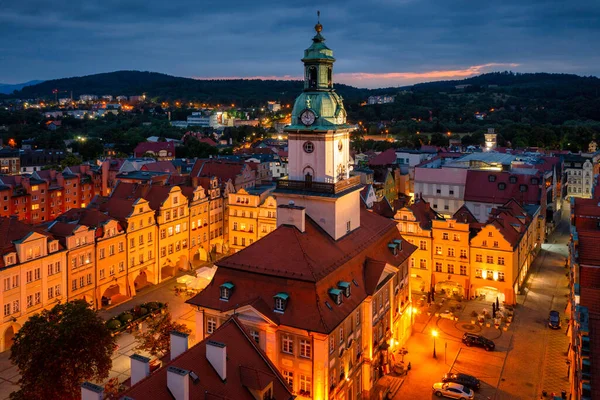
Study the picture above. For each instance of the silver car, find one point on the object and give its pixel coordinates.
(453, 391)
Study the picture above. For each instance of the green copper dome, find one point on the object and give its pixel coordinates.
(319, 95)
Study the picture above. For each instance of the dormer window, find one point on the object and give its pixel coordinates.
(344, 287)
(280, 301)
(502, 186)
(226, 290)
(512, 179)
(492, 178)
(534, 181)
(336, 295)
(523, 188)
(393, 248)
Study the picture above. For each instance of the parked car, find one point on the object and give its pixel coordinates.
(470, 339)
(554, 319)
(453, 391)
(463, 379)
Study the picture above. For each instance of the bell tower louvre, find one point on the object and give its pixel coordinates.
(319, 149)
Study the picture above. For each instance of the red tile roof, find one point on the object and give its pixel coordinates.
(305, 266)
(248, 367)
(480, 189)
(511, 220)
(423, 213)
(594, 325)
(387, 157)
(224, 170)
(383, 208)
(586, 214)
(11, 229)
(588, 249)
(154, 147)
(464, 215)
(160, 166)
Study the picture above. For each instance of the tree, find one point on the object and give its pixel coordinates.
(69, 161)
(58, 349)
(157, 338)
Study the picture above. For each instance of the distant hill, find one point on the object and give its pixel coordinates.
(246, 92)
(162, 86)
(8, 88)
(534, 84)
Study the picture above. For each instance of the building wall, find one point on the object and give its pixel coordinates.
(29, 285)
(250, 218)
(451, 259)
(444, 188)
(111, 263)
(420, 272)
(172, 219)
(141, 244)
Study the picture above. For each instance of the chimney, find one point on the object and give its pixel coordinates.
(178, 383)
(179, 343)
(216, 354)
(89, 391)
(291, 215)
(140, 368)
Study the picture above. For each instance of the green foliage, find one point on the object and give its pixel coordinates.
(125, 317)
(194, 148)
(58, 349)
(156, 339)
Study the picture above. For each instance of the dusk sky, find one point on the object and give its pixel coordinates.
(377, 43)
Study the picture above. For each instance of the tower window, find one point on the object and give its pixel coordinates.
(312, 77)
(308, 147)
(329, 77)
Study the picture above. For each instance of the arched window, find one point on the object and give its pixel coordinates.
(312, 77)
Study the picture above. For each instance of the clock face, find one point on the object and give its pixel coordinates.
(307, 117)
(340, 145)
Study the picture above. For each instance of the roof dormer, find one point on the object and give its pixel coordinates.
(281, 300)
(336, 295)
(344, 287)
(226, 290)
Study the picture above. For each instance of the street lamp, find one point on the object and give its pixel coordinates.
(434, 333)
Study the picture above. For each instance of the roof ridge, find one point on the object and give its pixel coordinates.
(304, 255)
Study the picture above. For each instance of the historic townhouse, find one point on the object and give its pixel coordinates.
(451, 262)
(80, 271)
(110, 284)
(503, 250)
(252, 215)
(137, 219)
(414, 222)
(171, 213)
(198, 203)
(32, 271)
(327, 292)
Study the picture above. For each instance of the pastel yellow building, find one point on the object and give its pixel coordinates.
(252, 215)
(33, 273)
(414, 223)
(451, 259)
(502, 252)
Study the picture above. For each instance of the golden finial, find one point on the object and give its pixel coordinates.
(318, 26)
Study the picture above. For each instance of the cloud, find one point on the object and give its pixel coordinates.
(425, 39)
(370, 79)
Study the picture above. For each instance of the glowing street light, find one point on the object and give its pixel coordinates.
(434, 333)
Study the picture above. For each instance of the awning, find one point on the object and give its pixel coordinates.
(185, 279)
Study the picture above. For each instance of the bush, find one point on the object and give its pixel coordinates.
(113, 324)
(125, 317)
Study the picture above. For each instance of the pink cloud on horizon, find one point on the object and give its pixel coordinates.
(370, 79)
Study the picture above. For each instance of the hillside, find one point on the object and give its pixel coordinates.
(166, 87)
(7, 88)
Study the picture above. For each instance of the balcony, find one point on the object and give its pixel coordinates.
(319, 187)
